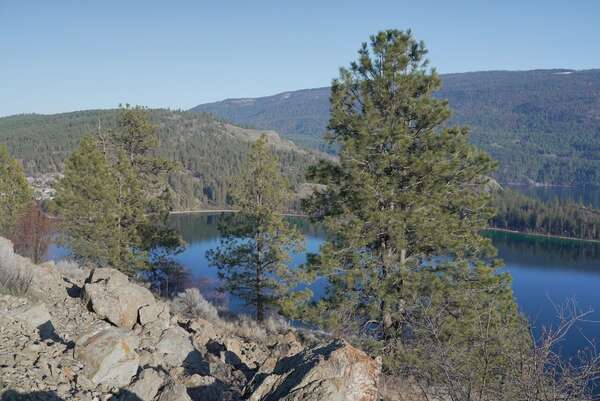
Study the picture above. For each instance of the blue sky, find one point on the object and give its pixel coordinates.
(60, 55)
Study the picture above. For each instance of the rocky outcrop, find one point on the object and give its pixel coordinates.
(145, 387)
(110, 295)
(336, 371)
(174, 346)
(105, 338)
(30, 362)
(174, 392)
(154, 312)
(35, 315)
(108, 355)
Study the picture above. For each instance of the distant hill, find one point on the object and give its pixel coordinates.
(542, 125)
(209, 150)
(301, 115)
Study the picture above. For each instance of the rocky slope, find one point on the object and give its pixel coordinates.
(94, 335)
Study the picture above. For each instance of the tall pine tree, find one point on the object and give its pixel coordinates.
(254, 251)
(407, 191)
(114, 200)
(15, 193)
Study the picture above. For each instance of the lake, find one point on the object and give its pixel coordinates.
(544, 270)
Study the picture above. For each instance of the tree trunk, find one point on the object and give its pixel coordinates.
(260, 307)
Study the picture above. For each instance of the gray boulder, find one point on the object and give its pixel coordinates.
(108, 355)
(154, 312)
(174, 392)
(334, 372)
(175, 346)
(203, 330)
(145, 387)
(109, 294)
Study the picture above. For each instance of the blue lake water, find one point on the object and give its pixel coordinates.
(545, 271)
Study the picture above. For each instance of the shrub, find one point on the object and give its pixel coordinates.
(15, 276)
(72, 270)
(192, 304)
(247, 327)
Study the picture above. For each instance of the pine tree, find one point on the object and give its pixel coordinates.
(87, 206)
(15, 193)
(254, 251)
(114, 200)
(407, 189)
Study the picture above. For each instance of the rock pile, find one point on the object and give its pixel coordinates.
(97, 337)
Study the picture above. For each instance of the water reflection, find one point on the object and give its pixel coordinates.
(547, 253)
(548, 271)
(200, 232)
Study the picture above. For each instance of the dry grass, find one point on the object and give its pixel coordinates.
(72, 270)
(246, 327)
(15, 274)
(192, 304)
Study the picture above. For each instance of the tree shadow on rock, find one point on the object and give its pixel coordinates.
(12, 395)
(48, 332)
(125, 395)
(195, 363)
(216, 391)
(74, 291)
(293, 369)
(230, 358)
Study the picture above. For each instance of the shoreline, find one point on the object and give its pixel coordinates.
(200, 211)
(506, 230)
(547, 236)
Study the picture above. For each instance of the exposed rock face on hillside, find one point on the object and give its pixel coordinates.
(97, 336)
(109, 294)
(336, 371)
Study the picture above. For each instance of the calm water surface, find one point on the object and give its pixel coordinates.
(545, 271)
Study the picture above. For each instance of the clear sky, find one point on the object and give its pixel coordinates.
(58, 55)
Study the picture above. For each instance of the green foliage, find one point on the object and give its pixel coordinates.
(522, 213)
(254, 252)
(113, 201)
(465, 331)
(541, 125)
(15, 193)
(87, 206)
(407, 191)
(209, 151)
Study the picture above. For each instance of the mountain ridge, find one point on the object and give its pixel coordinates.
(542, 125)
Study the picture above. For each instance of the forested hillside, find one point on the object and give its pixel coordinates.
(518, 212)
(209, 150)
(542, 125)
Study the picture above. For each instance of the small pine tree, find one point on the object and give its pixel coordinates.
(15, 193)
(114, 201)
(254, 252)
